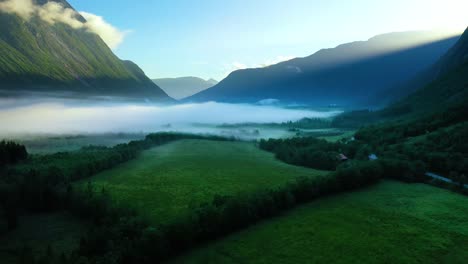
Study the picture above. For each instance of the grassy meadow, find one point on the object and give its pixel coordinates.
(163, 183)
(390, 222)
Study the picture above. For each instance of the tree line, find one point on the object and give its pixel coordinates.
(11, 153)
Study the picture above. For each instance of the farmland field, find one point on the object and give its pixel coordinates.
(388, 223)
(163, 183)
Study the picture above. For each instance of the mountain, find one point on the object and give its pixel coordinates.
(441, 90)
(38, 54)
(447, 81)
(347, 75)
(453, 59)
(179, 88)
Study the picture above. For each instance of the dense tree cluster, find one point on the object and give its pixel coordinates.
(360, 118)
(438, 142)
(305, 151)
(11, 153)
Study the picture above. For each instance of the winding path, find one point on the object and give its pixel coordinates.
(438, 177)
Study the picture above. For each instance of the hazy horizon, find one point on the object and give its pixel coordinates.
(56, 116)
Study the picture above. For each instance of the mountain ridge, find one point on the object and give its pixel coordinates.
(345, 75)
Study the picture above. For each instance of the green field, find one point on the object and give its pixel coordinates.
(165, 182)
(48, 144)
(59, 230)
(388, 223)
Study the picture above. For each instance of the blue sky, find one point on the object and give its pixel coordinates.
(209, 39)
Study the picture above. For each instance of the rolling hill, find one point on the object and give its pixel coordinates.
(37, 55)
(179, 88)
(348, 75)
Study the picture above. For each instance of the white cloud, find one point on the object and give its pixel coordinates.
(234, 66)
(111, 35)
(23, 8)
(276, 60)
(54, 12)
(238, 66)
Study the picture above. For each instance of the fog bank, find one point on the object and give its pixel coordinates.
(71, 118)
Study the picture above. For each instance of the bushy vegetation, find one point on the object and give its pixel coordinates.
(305, 151)
(38, 234)
(317, 153)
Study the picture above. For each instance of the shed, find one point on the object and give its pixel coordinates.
(342, 157)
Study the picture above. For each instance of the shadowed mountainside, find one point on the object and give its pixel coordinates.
(442, 86)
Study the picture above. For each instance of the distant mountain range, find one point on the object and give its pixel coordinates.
(348, 75)
(179, 88)
(39, 56)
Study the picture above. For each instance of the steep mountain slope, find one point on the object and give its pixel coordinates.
(179, 88)
(453, 59)
(36, 55)
(442, 87)
(448, 81)
(347, 75)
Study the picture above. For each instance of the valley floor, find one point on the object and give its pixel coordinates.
(391, 222)
(165, 182)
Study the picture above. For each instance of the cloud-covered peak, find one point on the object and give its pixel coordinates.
(54, 12)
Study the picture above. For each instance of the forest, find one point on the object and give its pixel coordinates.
(429, 143)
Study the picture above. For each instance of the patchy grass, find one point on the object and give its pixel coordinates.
(164, 183)
(391, 222)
